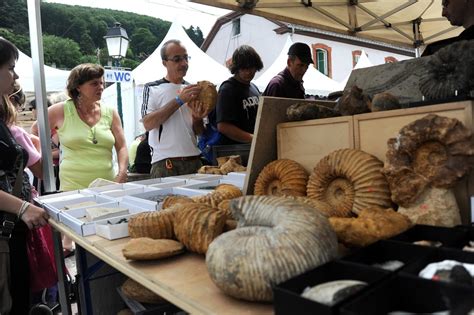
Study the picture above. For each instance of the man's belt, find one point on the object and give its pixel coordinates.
(184, 158)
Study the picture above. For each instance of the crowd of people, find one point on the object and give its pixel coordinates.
(85, 132)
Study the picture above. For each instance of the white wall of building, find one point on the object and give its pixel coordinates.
(259, 33)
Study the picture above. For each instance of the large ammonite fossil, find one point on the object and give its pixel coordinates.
(208, 95)
(349, 180)
(449, 70)
(431, 151)
(220, 193)
(282, 178)
(275, 240)
(153, 224)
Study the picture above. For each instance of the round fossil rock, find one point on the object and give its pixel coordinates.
(431, 151)
(208, 95)
(282, 177)
(349, 180)
(275, 240)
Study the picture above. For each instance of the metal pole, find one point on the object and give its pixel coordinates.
(119, 94)
(36, 39)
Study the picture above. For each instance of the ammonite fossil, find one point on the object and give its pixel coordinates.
(145, 248)
(222, 192)
(384, 101)
(349, 180)
(154, 224)
(172, 200)
(431, 151)
(322, 207)
(208, 95)
(282, 177)
(136, 291)
(196, 225)
(353, 102)
(449, 70)
(275, 240)
(306, 111)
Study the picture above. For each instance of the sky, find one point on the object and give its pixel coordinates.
(186, 13)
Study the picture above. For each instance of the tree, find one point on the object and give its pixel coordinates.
(63, 52)
(143, 41)
(22, 42)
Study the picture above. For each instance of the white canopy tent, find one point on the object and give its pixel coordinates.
(55, 79)
(315, 83)
(201, 67)
(363, 62)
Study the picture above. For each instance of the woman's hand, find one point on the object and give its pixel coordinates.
(121, 177)
(35, 217)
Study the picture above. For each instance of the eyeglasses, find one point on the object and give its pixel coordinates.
(179, 58)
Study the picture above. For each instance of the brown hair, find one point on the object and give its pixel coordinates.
(80, 75)
(8, 51)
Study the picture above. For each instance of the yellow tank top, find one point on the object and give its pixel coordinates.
(82, 160)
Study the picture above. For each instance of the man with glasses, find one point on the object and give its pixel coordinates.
(459, 13)
(173, 116)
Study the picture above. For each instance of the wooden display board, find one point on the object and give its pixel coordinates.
(271, 112)
(309, 141)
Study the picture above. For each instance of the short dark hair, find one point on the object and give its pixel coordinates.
(80, 75)
(8, 51)
(165, 46)
(245, 57)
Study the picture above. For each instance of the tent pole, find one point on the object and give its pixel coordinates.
(36, 40)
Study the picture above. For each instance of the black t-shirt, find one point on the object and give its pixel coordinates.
(467, 34)
(237, 103)
(143, 158)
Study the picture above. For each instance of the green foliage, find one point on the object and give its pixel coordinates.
(79, 32)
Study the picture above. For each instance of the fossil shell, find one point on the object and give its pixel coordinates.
(384, 101)
(349, 180)
(449, 70)
(306, 111)
(222, 192)
(353, 102)
(322, 207)
(136, 291)
(275, 240)
(431, 151)
(208, 95)
(170, 201)
(196, 225)
(371, 225)
(154, 224)
(282, 178)
(145, 248)
(209, 169)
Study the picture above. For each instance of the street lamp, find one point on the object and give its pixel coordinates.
(117, 45)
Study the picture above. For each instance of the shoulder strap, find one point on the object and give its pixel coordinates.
(18, 181)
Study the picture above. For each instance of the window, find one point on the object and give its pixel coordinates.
(322, 61)
(355, 57)
(390, 59)
(236, 27)
(322, 54)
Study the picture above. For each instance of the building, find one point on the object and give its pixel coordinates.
(334, 55)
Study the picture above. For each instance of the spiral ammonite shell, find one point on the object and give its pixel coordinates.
(431, 151)
(282, 177)
(208, 95)
(349, 180)
(275, 240)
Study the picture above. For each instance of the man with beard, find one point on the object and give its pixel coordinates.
(459, 13)
(173, 116)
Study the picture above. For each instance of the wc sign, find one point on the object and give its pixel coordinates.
(123, 76)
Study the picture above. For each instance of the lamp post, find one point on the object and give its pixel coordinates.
(117, 45)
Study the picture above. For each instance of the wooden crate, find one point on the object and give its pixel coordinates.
(307, 142)
(271, 112)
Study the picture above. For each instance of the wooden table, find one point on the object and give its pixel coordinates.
(182, 280)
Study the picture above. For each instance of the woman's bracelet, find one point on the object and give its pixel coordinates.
(23, 208)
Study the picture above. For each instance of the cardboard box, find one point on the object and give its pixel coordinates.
(157, 196)
(209, 186)
(411, 295)
(118, 191)
(384, 251)
(56, 205)
(197, 176)
(287, 295)
(113, 228)
(73, 220)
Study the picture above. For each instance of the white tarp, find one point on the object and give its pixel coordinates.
(55, 79)
(364, 62)
(315, 83)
